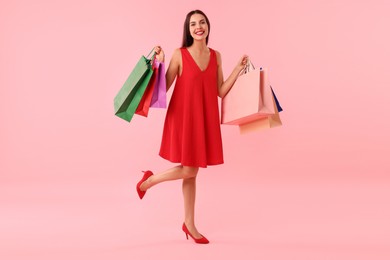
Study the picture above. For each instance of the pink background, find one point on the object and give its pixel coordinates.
(316, 188)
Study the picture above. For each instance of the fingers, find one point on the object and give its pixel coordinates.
(160, 56)
(243, 62)
(244, 59)
(157, 49)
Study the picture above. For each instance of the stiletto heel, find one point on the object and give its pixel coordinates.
(201, 240)
(146, 176)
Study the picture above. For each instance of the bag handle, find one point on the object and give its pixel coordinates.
(152, 58)
(249, 66)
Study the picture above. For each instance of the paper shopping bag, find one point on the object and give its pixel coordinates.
(144, 104)
(280, 109)
(159, 98)
(129, 96)
(265, 122)
(249, 99)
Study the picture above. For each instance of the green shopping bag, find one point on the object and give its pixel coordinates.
(129, 96)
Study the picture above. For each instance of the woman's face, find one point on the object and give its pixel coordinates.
(198, 27)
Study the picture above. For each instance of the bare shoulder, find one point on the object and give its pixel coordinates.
(176, 56)
(219, 58)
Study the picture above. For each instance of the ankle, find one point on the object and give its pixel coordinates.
(189, 223)
(145, 185)
(148, 183)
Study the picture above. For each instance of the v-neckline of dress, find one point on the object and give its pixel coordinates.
(208, 64)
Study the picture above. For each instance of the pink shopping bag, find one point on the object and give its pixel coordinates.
(159, 98)
(249, 99)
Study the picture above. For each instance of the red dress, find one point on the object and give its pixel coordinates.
(192, 134)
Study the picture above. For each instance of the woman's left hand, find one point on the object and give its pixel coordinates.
(242, 62)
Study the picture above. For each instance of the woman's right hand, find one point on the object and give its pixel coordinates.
(160, 56)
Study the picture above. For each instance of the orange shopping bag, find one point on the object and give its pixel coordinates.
(266, 122)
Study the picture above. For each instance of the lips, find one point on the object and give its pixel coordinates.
(199, 33)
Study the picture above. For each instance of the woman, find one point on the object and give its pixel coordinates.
(192, 135)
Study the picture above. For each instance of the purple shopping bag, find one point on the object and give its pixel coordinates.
(159, 98)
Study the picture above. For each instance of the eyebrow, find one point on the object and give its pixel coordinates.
(201, 20)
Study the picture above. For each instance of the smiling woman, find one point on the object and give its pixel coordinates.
(194, 19)
(192, 134)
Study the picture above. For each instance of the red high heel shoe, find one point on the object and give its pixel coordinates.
(201, 240)
(140, 192)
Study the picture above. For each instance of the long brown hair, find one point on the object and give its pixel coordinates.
(187, 38)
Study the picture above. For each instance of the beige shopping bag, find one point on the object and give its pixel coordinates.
(268, 121)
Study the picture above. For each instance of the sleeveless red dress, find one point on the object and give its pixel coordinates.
(192, 134)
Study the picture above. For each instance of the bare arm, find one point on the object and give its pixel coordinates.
(174, 67)
(225, 86)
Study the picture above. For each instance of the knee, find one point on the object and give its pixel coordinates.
(190, 172)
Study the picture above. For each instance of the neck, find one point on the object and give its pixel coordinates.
(199, 45)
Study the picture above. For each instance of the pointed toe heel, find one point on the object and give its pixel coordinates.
(201, 240)
(146, 176)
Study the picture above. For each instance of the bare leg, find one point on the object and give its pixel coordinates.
(175, 173)
(189, 194)
(188, 174)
